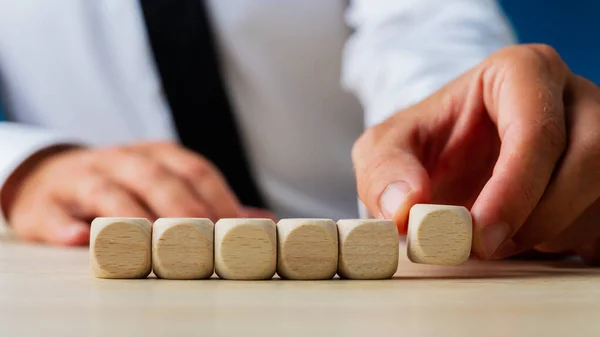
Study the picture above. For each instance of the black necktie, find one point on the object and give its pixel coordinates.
(181, 39)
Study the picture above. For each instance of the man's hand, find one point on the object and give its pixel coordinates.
(516, 140)
(53, 196)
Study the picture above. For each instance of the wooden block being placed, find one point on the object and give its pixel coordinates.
(120, 248)
(307, 249)
(182, 248)
(245, 249)
(368, 249)
(439, 234)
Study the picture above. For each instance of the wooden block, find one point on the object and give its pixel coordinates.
(120, 248)
(182, 248)
(368, 249)
(307, 249)
(245, 249)
(439, 234)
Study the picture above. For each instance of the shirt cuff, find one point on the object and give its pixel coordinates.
(19, 142)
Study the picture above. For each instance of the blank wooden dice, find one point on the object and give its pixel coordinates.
(245, 249)
(307, 249)
(439, 234)
(182, 248)
(368, 249)
(120, 248)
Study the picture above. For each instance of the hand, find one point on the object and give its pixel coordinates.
(53, 196)
(516, 140)
(257, 213)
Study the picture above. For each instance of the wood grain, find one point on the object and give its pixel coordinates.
(439, 234)
(48, 291)
(121, 248)
(368, 248)
(245, 249)
(183, 248)
(307, 249)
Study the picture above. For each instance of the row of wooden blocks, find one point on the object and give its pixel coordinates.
(257, 249)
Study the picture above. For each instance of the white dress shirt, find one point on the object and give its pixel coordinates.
(305, 78)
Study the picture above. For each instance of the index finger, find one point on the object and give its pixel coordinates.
(523, 94)
(205, 179)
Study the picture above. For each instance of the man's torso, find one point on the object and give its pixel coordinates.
(85, 68)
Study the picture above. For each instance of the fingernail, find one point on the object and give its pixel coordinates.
(492, 237)
(393, 196)
(73, 231)
(505, 250)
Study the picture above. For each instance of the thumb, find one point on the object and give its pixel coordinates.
(52, 224)
(390, 176)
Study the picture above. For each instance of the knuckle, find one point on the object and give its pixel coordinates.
(589, 150)
(542, 57)
(164, 192)
(113, 152)
(87, 160)
(547, 53)
(96, 186)
(152, 171)
(197, 169)
(172, 196)
(549, 61)
(98, 158)
(529, 191)
(540, 53)
(551, 130)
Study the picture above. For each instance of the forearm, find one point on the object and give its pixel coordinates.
(21, 146)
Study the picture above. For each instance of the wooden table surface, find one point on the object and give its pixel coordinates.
(49, 291)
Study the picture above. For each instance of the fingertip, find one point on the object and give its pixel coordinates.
(74, 234)
(491, 240)
(251, 212)
(397, 200)
(394, 198)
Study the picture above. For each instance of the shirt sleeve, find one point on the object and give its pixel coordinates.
(400, 52)
(18, 142)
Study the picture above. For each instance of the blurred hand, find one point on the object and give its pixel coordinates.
(53, 197)
(516, 140)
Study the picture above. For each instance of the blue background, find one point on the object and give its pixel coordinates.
(570, 26)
